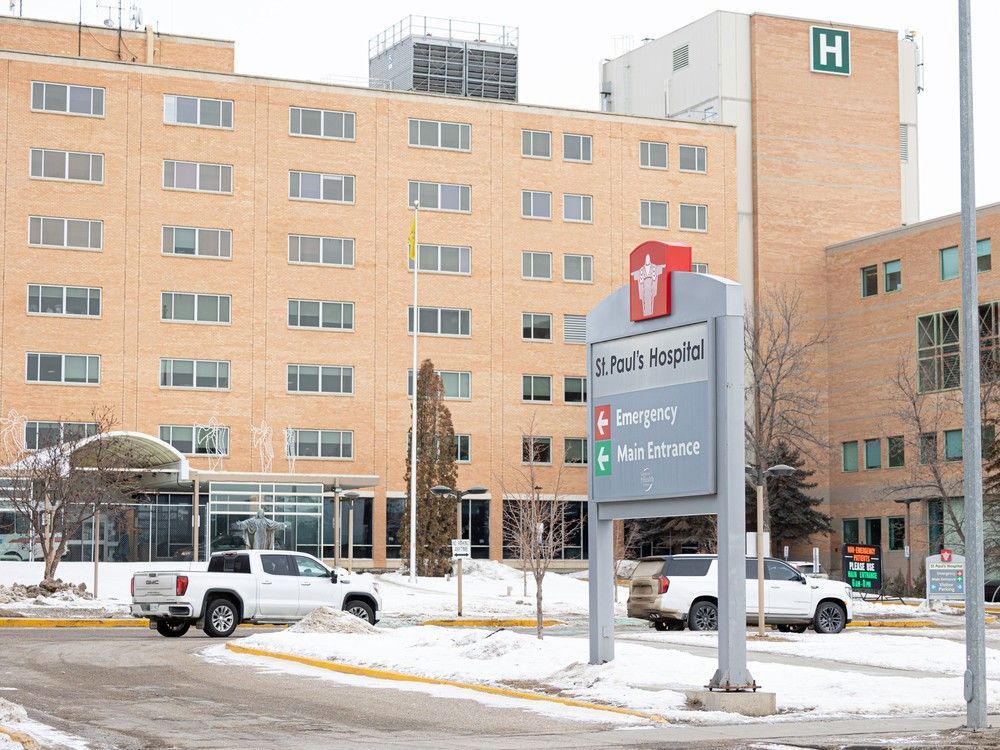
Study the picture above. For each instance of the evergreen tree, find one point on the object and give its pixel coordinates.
(679, 533)
(435, 466)
(794, 517)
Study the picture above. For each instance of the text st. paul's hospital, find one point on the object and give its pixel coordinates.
(658, 357)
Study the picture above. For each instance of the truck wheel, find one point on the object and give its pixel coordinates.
(704, 615)
(358, 608)
(172, 629)
(830, 618)
(220, 618)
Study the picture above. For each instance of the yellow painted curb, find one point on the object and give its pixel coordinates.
(53, 622)
(384, 674)
(28, 743)
(498, 622)
(892, 624)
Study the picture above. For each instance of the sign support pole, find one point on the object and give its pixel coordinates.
(975, 628)
(602, 605)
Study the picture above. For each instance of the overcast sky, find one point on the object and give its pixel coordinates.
(562, 44)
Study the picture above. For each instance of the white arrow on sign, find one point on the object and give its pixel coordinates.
(602, 424)
(602, 458)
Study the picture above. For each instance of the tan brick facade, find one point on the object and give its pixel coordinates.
(132, 271)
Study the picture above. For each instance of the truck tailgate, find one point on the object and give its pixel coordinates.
(155, 586)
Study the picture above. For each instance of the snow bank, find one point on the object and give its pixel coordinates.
(113, 582)
(11, 712)
(330, 620)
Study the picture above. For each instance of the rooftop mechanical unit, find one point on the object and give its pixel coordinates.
(443, 56)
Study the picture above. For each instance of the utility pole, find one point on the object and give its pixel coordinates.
(972, 468)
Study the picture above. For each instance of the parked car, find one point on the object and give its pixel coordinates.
(678, 590)
(806, 569)
(254, 586)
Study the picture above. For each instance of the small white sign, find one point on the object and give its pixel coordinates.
(461, 548)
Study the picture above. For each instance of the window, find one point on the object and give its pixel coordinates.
(984, 260)
(775, 570)
(869, 281)
(694, 217)
(576, 147)
(336, 379)
(928, 448)
(209, 374)
(699, 268)
(205, 178)
(578, 268)
(536, 144)
(850, 526)
(849, 451)
(988, 440)
(949, 263)
(536, 204)
(278, 565)
(952, 445)
(536, 327)
(73, 234)
(989, 341)
(309, 568)
(536, 388)
(443, 259)
(578, 208)
(315, 186)
(575, 451)
(319, 443)
(873, 453)
(74, 166)
(574, 329)
(938, 365)
(194, 110)
(681, 57)
(457, 384)
(306, 313)
(873, 531)
(433, 134)
(536, 450)
(442, 321)
(321, 123)
(693, 158)
(893, 276)
(71, 100)
(463, 448)
(47, 434)
(64, 300)
(188, 307)
(439, 196)
(575, 390)
(75, 369)
(897, 532)
(652, 155)
(198, 241)
(207, 440)
(321, 251)
(897, 451)
(536, 265)
(233, 563)
(653, 214)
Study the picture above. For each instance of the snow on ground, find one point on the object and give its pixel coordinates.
(15, 718)
(489, 589)
(641, 677)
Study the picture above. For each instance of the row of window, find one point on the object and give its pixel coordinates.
(938, 355)
(895, 454)
(458, 386)
(537, 204)
(873, 531)
(337, 125)
(892, 272)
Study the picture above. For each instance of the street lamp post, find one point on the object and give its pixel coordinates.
(441, 491)
(909, 550)
(780, 470)
(351, 496)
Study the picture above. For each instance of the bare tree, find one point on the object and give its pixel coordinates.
(61, 486)
(536, 525)
(780, 345)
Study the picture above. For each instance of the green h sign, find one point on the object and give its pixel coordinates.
(831, 50)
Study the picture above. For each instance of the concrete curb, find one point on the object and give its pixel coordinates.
(497, 622)
(68, 622)
(903, 623)
(24, 740)
(384, 674)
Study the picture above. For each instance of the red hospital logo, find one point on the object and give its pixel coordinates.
(650, 265)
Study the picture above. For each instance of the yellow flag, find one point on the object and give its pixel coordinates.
(413, 240)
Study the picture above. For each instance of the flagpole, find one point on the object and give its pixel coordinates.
(413, 426)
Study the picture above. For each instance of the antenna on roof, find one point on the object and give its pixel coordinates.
(135, 16)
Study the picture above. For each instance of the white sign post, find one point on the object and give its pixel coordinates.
(460, 550)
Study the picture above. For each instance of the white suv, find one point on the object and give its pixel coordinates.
(676, 590)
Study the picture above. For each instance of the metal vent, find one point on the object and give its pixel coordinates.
(575, 329)
(904, 142)
(681, 57)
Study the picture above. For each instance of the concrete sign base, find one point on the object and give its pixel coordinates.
(743, 702)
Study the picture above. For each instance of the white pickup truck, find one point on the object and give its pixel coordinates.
(255, 586)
